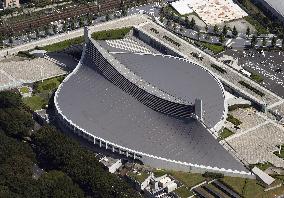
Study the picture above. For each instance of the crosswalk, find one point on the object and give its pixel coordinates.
(129, 45)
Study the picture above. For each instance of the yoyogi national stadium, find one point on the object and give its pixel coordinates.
(130, 98)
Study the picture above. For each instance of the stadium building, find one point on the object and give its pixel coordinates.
(131, 99)
(274, 7)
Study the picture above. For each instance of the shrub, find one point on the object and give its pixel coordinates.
(213, 175)
(238, 106)
(233, 120)
(111, 34)
(218, 68)
(248, 86)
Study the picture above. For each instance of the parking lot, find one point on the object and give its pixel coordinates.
(268, 64)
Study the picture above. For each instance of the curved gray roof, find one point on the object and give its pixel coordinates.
(101, 108)
(179, 78)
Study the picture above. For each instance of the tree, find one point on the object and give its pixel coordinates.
(253, 41)
(264, 42)
(107, 17)
(221, 39)
(187, 22)
(81, 21)
(282, 44)
(206, 28)
(273, 41)
(64, 27)
(72, 25)
(192, 23)
(62, 153)
(11, 41)
(16, 122)
(248, 31)
(9, 99)
(124, 11)
(225, 30)
(46, 30)
(58, 184)
(54, 29)
(235, 32)
(215, 29)
(37, 33)
(198, 35)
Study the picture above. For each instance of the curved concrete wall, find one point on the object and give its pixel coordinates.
(96, 58)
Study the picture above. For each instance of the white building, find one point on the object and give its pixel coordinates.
(111, 164)
(11, 4)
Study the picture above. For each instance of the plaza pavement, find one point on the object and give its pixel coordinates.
(15, 73)
(256, 144)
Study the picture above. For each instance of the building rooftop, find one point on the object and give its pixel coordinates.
(181, 79)
(278, 5)
(101, 108)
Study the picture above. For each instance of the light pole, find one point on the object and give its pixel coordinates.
(280, 146)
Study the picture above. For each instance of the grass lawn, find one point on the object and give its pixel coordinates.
(183, 192)
(233, 120)
(56, 47)
(259, 28)
(24, 90)
(281, 152)
(138, 177)
(225, 133)
(248, 188)
(48, 85)
(188, 179)
(262, 166)
(111, 34)
(35, 102)
(216, 49)
(256, 77)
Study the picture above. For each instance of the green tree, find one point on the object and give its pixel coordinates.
(16, 122)
(206, 28)
(124, 11)
(273, 41)
(57, 184)
(9, 99)
(253, 41)
(192, 23)
(248, 31)
(221, 39)
(198, 35)
(264, 42)
(59, 152)
(54, 29)
(107, 17)
(187, 22)
(225, 30)
(235, 32)
(215, 29)
(64, 27)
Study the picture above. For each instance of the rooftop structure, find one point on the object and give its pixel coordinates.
(11, 3)
(111, 164)
(211, 11)
(104, 101)
(276, 7)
